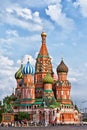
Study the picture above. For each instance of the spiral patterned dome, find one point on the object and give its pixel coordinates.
(28, 69)
(62, 67)
(18, 74)
(48, 79)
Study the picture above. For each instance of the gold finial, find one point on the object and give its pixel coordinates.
(43, 34)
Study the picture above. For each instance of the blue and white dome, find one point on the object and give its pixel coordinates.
(28, 69)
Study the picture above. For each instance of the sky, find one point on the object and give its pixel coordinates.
(64, 21)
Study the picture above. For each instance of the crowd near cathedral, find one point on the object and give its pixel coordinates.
(43, 95)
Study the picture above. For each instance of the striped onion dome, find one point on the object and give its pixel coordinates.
(48, 79)
(28, 69)
(18, 74)
(62, 67)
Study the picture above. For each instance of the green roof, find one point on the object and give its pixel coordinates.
(39, 99)
(16, 104)
(68, 105)
(17, 101)
(47, 90)
(27, 99)
(40, 56)
(24, 105)
(37, 103)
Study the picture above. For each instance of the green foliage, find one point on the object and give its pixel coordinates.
(0, 104)
(7, 104)
(50, 101)
(85, 120)
(23, 115)
(7, 100)
(7, 108)
(1, 111)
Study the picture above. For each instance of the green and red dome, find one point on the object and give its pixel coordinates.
(48, 79)
(18, 74)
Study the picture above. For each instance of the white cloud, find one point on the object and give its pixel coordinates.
(85, 64)
(25, 13)
(7, 80)
(26, 58)
(4, 61)
(13, 37)
(38, 3)
(56, 14)
(83, 6)
(48, 2)
(12, 33)
(21, 17)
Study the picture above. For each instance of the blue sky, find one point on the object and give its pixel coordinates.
(65, 22)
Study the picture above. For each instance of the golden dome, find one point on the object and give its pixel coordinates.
(43, 34)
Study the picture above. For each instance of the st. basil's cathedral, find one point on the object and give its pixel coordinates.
(44, 97)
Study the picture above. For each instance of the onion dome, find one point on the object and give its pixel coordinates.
(28, 69)
(48, 79)
(62, 67)
(18, 74)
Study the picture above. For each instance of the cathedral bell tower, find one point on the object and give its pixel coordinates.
(63, 86)
(42, 67)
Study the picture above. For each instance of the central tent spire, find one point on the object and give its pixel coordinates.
(43, 66)
(43, 49)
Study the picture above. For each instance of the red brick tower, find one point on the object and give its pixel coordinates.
(63, 86)
(43, 65)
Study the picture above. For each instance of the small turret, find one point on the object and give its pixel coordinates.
(18, 74)
(62, 71)
(62, 67)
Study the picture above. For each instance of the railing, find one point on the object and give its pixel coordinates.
(22, 110)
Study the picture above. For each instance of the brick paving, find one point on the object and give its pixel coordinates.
(64, 127)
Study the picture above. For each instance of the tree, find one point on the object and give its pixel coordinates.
(8, 103)
(23, 116)
(1, 110)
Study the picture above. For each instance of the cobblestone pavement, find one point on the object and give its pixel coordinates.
(63, 127)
